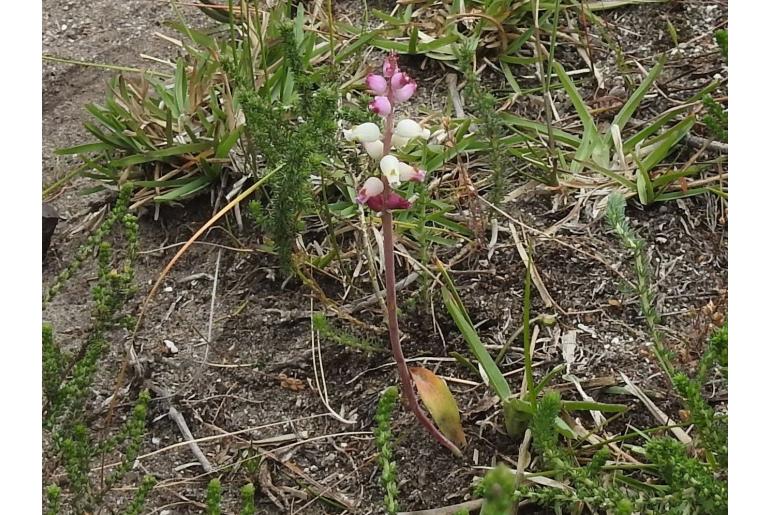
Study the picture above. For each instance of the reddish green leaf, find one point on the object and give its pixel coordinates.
(440, 403)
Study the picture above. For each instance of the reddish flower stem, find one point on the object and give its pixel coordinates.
(390, 303)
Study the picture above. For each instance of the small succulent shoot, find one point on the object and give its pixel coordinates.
(378, 193)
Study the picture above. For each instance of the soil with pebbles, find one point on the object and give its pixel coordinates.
(256, 370)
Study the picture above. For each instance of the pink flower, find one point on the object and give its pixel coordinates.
(394, 201)
(377, 84)
(404, 93)
(372, 188)
(390, 66)
(380, 105)
(399, 80)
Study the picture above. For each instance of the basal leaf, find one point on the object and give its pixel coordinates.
(441, 404)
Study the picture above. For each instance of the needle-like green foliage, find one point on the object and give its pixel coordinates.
(298, 133)
(383, 436)
(214, 497)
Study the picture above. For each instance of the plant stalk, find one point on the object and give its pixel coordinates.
(390, 303)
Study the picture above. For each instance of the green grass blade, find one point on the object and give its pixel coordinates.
(459, 315)
(83, 149)
(192, 187)
(577, 101)
(189, 148)
(666, 142)
(628, 109)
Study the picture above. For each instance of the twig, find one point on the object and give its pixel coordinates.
(318, 373)
(697, 142)
(178, 418)
(454, 94)
(522, 462)
(541, 289)
(213, 304)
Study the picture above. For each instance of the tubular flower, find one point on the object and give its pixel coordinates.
(408, 129)
(403, 86)
(381, 106)
(405, 93)
(407, 172)
(394, 201)
(366, 133)
(377, 84)
(374, 149)
(399, 141)
(372, 187)
(389, 165)
(399, 80)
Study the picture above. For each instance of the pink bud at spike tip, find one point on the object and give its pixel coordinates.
(377, 84)
(390, 66)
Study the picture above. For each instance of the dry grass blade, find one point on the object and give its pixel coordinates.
(541, 289)
(656, 412)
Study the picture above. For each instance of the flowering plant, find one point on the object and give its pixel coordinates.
(379, 194)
